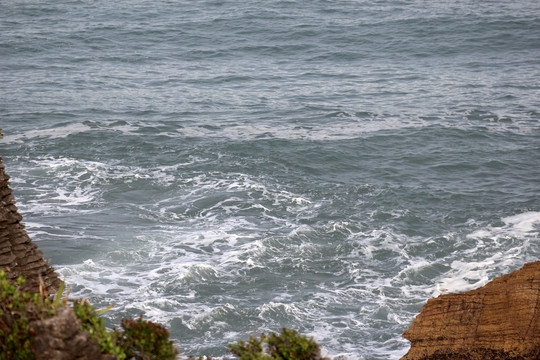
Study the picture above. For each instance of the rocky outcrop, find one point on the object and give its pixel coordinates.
(18, 254)
(61, 337)
(500, 320)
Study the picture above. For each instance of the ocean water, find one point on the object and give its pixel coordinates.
(228, 168)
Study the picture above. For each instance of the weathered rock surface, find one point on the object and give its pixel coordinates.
(18, 254)
(500, 320)
(61, 338)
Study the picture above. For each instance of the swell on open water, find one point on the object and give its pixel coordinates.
(230, 167)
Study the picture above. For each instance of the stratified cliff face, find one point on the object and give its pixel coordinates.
(500, 320)
(18, 254)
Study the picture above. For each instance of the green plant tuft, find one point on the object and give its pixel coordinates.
(94, 325)
(145, 340)
(250, 350)
(17, 310)
(288, 345)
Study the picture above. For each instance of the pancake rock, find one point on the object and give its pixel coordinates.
(500, 320)
(18, 254)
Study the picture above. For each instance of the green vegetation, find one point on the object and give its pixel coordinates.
(145, 340)
(17, 309)
(94, 325)
(288, 345)
(139, 340)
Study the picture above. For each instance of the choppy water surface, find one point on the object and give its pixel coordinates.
(230, 168)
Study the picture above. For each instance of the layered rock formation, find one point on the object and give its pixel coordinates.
(500, 320)
(18, 254)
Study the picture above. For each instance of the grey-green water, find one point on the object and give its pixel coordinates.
(231, 167)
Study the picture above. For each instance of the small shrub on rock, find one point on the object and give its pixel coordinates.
(288, 345)
(145, 340)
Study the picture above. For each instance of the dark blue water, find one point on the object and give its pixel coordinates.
(229, 168)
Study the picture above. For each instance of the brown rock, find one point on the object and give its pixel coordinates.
(500, 320)
(19, 255)
(60, 337)
(7, 259)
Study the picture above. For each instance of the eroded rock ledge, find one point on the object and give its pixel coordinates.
(500, 320)
(18, 254)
